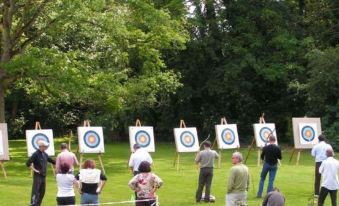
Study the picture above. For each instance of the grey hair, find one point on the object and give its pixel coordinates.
(238, 155)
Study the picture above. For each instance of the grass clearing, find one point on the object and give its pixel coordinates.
(296, 182)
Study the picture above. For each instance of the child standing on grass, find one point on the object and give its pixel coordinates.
(145, 185)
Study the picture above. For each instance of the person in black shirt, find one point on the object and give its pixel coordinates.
(39, 159)
(271, 153)
(92, 181)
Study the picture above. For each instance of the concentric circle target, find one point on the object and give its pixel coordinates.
(308, 133)
(264, 133)
(142, 138)
(91, 139)
(187, 139)
(228, 136)
(37, 138)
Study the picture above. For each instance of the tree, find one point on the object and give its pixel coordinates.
(102, 55)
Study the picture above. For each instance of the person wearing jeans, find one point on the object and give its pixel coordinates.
(328, 170)
(271, 153)
(91, 182)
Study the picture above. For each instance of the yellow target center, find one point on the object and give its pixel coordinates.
(266, 135)
(187, 139)
(91, 139)
(308, 134)
(142, 139)
(228, 136)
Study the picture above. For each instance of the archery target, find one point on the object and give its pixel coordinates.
(262, 132)
(306, 132)
(91, 140)
(4, 153)
(1, 145)
(33, 137)
(186, 139)
(227, 136)
(143, 136)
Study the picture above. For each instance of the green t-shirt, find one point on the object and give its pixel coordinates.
(238, 181)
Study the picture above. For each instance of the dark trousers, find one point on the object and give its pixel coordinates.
(317, 178)
(66, 200)
(323, 194)
(38, 189)
(145, 203)
(205, 179)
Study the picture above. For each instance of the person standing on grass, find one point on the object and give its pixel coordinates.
(205, 159)
(319, 153)
(137, 157)
(38, 163)
(271, 154)
(274, 198)
(66, 183)
(329, 171)
(238, 182)
(145, 184)
(91, 181)
(67, 157)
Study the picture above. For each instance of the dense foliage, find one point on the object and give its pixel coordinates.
(166, 60)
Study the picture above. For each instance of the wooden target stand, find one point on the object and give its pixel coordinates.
(223, 121)
(261, 121)
(176, 162)
(298, 156)
(87, 124)
(138, 124)
(38, 127)
(3, 168)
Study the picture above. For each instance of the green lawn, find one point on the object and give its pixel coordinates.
(296, 182)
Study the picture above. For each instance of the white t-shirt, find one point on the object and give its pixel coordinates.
(319, 151)
(65, 185)
(139, 156)
(328, 170)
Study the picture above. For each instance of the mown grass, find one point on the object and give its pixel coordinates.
(296, 182)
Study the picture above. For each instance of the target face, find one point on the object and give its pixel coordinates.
(33, 137)
(227, 136)
(262, 132)
(91, 140)
(37, 138)
(308, 133)
(144, 136)
(4, 153)
(186, 139)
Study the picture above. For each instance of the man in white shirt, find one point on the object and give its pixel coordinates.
(319, 153)
(330, 184)
(137, 157)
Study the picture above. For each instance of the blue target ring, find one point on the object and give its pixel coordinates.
(264, 134)
(187, 139)
(91, 139)
(228, 136)
(37, 138)
(142, 138)
(308, 133)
